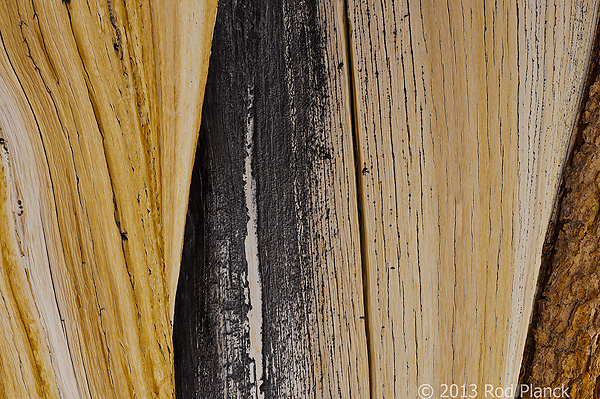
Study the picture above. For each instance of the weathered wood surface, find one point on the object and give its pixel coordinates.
(464, 116)
(563, 345)
(270, 297)
(458, 116)
(100, 109)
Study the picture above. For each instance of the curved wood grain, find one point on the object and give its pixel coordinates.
(100, 112)
(562, 345)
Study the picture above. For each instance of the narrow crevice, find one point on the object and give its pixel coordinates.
(358, 170)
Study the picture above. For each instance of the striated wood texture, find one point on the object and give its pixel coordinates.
(563, 345)
(270, 297)
(464, 115)
(460, 114)
(369, 201)
(99, 113)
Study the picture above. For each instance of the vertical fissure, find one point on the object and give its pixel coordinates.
(359, 194)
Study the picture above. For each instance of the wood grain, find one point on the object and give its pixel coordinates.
(369, 201)
(464, 115)
(97, 98)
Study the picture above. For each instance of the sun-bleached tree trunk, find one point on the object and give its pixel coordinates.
(99, 115)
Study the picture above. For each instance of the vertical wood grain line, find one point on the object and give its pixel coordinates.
(359, 194)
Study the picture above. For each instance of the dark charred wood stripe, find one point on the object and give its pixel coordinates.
(268, 65)
(210, 327)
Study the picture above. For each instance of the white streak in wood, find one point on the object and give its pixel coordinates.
(251, 247)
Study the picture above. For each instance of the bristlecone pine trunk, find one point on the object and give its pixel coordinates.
(371, 186)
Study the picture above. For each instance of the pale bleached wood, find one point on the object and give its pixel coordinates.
(464, 114)
(340, 335)
(100, 113)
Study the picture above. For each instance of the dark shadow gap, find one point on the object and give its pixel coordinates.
(268, 81)
(210, 334)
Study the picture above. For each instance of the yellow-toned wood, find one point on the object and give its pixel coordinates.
(97, 98)
(182, 36)
(464, 113)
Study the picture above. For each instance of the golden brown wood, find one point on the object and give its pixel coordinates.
(461, 112)
(97, 97)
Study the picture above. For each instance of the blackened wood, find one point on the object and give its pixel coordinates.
(278, 70)
(210, 329)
